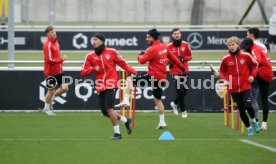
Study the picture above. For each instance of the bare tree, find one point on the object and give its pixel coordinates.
(197, 12)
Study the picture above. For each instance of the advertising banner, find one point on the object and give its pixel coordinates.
(25, 90)
(123, 40)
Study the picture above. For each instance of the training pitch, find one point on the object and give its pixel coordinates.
(33, 138)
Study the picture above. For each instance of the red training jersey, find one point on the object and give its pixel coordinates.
(265, 67)
(184, 51)
(157, 56)
(52, 60)
(106, 76)
(236, 70)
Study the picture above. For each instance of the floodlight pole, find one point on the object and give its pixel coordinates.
(11, 33)
(146, 13)
(52, 8)
(26, 11)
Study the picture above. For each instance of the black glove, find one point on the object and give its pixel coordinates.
(170, 64)
(182, 69)
(141, 53)
(181, 58)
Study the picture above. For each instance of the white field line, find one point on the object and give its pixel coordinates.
(134, 139)
(258, 145)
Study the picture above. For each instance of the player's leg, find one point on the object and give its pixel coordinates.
(127, 91)
(174, 103)
(157, 93)
(102, 103)
(182, 93)
(247, 102)
(48, 98)
(109, 103)
(255, 105)
(50, 83)
(130, 81)
(237, 97)
(114, 120)
(62, 88)
(264, 86)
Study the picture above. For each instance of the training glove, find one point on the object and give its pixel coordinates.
(181, 58)
(170, 64)
(141, 53)
(182, 69)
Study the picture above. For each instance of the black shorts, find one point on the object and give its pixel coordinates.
(54, 81)
(144, 80)
(106, 100)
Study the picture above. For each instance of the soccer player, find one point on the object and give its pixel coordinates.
(264, 77)
(254, 34)
(182, 51)
(235, 72)
(102, 61)
(53, 70)
(157, 57)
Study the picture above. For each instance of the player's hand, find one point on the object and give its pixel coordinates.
(170, 64)
(181, 58)
(250, 79)
(132, 71)
(141, 53)
(225, 83)
(214, 71)
(64, 57)
(182, 69)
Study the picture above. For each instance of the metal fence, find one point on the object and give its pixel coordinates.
(195, 64)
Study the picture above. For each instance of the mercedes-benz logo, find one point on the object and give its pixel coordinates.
(51, 82)
(195, 40)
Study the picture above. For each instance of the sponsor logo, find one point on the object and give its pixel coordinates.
(165, 39)
(242, 61)
(43, 39)
(3, 40)
(163, 60)
(230, 63)
(43, 91)
(195, 40)
(107, 56)
(17, 40)
(80, 41)
(162, 51)
(84, 95)
(122, 41)
(213, 40)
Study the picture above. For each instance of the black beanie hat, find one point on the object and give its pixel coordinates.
(154, 33)
(247, 42)
(100, 36)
